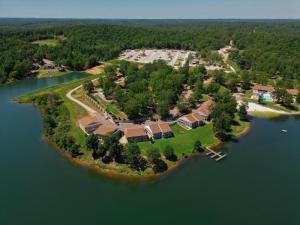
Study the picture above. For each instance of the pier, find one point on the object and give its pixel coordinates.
(215, 155)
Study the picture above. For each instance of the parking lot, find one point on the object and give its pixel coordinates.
(174, 58)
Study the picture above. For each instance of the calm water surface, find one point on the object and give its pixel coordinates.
(257, 184)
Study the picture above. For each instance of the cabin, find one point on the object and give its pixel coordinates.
(135, 134)
(89, 124)
(205, 109)
(159, 130)
(191, 121)
(48, 64)
(266, 93)
(106, 130)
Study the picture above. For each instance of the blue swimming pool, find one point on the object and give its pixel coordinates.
(267, 99)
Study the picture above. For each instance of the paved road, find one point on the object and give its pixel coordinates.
(87, 108)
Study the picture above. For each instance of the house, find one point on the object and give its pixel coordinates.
(293, 92)
(106, 130)
(191, 120)
(159, 130)
(48, 64)
(135, 134)
(205, 109)
(89, 124)
(263, 92)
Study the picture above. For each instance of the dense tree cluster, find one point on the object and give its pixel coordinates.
(268, 48)
(223, 113)
(56, 122)
(154, 88)
(110, 150)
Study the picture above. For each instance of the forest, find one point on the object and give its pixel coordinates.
(267, 48)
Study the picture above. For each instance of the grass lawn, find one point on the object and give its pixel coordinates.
(183, 140)
(54, 73)
(49, 42)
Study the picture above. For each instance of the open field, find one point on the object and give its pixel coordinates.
(53, 73)
(174, 58)
(49, 42)
(183, 140)
(95, 70)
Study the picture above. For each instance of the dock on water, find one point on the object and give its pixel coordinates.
(215, 155)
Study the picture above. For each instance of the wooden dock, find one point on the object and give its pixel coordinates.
(215, 155)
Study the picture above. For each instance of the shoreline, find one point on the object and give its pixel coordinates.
(116, 175)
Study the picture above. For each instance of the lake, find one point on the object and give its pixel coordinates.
(257, 184)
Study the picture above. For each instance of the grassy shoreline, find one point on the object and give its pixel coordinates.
(183, 140)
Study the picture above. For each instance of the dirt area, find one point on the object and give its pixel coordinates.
(95, 70)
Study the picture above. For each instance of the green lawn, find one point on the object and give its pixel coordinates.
(183, 140)
(49, 42)
(54, 73)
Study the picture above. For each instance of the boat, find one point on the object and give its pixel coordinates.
(284, 131)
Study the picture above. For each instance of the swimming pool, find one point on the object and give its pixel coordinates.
(268, 99)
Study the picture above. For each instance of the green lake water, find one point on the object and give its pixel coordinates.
(257, 184)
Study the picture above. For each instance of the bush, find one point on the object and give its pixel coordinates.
(153, 154)
(169, 153)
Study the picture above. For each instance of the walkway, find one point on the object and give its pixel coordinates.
(254, 107)
(91, 111)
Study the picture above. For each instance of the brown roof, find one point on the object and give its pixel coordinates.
(106, 130)
(205, 107)
(165, 128)
(258, 87)
(194, 117)
(155, 128)
(160, 127)
(198, 117)
(293, 92)
(135, 132)
(191, 118)
(88, 121)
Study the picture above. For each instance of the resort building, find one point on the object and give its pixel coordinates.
(106, 130)
(205, 109)
(135, 134)
(263, 92)
(191, 121)
(89, 124)
(159, 130)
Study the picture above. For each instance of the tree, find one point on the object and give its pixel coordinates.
(88, 86)
(131, 153)
(246, 80)
(163, 109)
(92, 142)
(183, 106)
(243, 111)
(283, 97)
(153, 154)
(160, 166)
(198, 146)
(99, 152)
(169, 153)
(298, 98)
(132, 157)
(222, 126)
